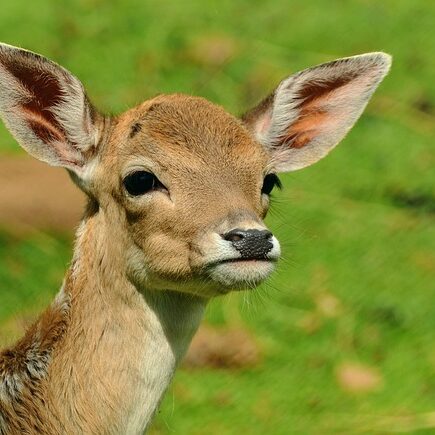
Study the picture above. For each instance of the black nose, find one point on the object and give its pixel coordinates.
(252, 244)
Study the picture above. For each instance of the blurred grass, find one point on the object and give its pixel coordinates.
(358, 227)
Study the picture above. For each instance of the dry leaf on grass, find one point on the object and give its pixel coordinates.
(213, 50)
(328, 305)
(310, 323)
(222, 348)
(358, 378)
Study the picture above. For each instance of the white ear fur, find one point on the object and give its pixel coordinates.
(46, 109)
(310, 112)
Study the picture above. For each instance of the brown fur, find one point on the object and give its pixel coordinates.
(174, 135)
(99, 359)
(23, 369)
(203, 163)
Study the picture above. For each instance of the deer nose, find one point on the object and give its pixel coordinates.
(252, 244)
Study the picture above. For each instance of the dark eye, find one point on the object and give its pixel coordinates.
(141, 182)
(270, 181)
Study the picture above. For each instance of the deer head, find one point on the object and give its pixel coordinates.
(181, 186)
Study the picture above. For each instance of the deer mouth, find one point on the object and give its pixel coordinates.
(247, 260)
(241, 273)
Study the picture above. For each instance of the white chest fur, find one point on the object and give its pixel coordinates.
(171, 322)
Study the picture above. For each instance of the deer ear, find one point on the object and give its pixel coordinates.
(310, 112)
(46, 110)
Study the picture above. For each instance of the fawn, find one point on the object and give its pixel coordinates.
(177, 192)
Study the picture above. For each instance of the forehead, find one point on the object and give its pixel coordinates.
(179, 132)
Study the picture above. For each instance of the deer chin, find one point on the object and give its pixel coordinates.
(241, 274)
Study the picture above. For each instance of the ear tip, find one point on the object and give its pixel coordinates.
(378, 59)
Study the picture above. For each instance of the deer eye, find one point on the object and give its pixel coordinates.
(270, 181)
(141, 182)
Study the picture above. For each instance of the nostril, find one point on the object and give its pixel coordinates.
(237, 235)
(251, 243)
(234, 235)
(266, 234)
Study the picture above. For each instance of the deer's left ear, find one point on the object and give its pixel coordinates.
(310, 112)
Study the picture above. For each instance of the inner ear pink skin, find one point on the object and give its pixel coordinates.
(306, 128)
(44, 129)
(310, 112)
(264, 122)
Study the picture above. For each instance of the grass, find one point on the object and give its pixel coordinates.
(358, 228)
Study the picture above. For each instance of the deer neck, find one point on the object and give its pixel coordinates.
(121, 346)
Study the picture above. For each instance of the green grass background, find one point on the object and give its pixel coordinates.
(358, 227)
